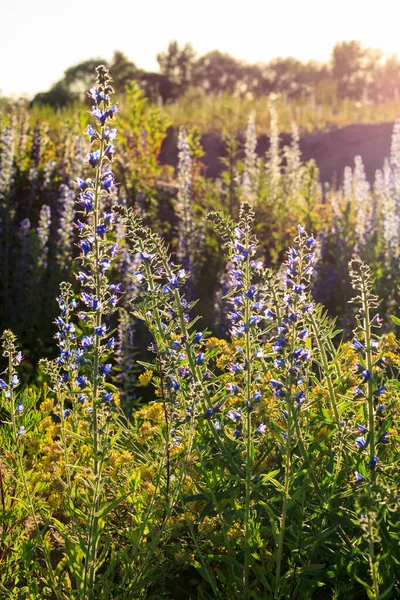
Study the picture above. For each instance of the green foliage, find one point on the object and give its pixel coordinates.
(266, 464)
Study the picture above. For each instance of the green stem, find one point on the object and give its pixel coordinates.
(372, 562)
(327, 370)
(285, 504)
(368, 356)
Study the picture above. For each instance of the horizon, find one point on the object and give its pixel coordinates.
(245, 35)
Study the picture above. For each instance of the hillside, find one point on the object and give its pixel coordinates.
(332, 150)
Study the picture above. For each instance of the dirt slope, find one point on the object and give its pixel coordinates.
(332, 151)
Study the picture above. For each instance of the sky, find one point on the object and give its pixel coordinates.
(41, 38)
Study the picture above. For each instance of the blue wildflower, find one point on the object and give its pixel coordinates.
(108, 181)
(366, 375)
(361, 442)
(105, 369)
(109, 151)
(101, 230)
(380, 391)
(94, 157)
(81, 381)
(234, 415)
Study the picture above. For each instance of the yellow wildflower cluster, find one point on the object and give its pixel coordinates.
(146, 377)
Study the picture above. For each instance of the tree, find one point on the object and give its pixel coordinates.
(386, 81)
(353, 68)
(123, 70)
(176, 64)
(79, 78)
(217, 72)
(58, 96)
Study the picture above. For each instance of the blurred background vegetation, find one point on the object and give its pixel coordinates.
(217, 91)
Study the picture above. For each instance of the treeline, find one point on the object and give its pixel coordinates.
(361, 74)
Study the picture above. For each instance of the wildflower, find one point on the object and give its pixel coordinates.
(361, 442)
(94, 157)
(366, 375)
(81, 381)
(146, 256)
(100, 330)
(85, 246)
(110, 133)
(358, 477)
(108, 181)
(66, 412)
(105, 369)
(18, 357)
(234, 415)
(175, 384)
(261, 428)
(101, 230)
(109, 151)
(20, 408)
(87, 342)
(357, 345)
(21, 430)
(373, 461)
(232, 388)
(81, 276)
(380, 391)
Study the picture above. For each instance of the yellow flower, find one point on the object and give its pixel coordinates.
(146, 377)
(214, 342)
(47, 405)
